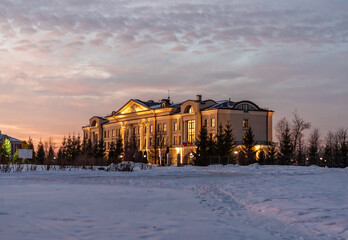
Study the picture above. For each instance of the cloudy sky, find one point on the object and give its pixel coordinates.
(62, 62)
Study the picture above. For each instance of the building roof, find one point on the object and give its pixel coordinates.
(12, 140)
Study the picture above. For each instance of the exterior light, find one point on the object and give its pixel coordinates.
(236, 152)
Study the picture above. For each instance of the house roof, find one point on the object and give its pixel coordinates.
(12, 140)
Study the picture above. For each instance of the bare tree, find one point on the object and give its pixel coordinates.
(297, 128)
(280, 128)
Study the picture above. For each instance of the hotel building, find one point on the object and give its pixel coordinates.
(162, 127)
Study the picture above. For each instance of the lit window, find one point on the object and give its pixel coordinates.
(245, 123)
(213, 122)
(191, 110)
(191, 131)
(159, 127)
(165, 127)
(175, 140)
(175, 126)
(113, 133)
(151, 128)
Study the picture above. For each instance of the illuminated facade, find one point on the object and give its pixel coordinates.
(162, 127)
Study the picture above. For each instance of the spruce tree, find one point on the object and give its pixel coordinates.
(119, 147)
(271, 154)
(211, 148)
(112, 153)
(50, 156)
(248, 146)
(40, 158)
(285, 147)
(201, 158)
(220, 141)
(262, 157)
(6, 152)
(228, 141)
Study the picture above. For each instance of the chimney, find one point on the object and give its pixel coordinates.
(198, 98)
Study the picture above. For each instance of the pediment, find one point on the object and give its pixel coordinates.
(132, 107)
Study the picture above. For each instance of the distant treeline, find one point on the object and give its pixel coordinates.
(221, 148)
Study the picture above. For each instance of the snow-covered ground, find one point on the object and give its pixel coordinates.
(215, 202)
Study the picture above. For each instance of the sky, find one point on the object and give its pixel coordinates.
(62, 62)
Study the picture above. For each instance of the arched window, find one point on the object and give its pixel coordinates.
(189, 109)
(94, 123)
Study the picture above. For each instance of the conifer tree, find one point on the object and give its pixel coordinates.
(248, 146)
(228, 141)
(314, 145)
(285, 146)
(211, 145)
(201, 158)
(262, 157)
(40, 158)
(119, 147)
(99, 150)
(50, 155)
(220, 141)
(113, 158)
(6, 152)
(271, 154)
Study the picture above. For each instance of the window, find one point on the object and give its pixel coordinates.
(245, 123)
(159, 127)
(150, 142)
(105, 134)
(175, 140)
(145, 142)
(145, 128)
(205, 122)
(191, 110)
(151, 128)
(175, 126)
(113, 133)
(108, 145)
(191, 131)
(108, 133)
(165, 127)
(213, 122)
(134, 130)
(180, 140)
(179, 125)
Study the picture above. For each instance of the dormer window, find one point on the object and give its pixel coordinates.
(189, 109)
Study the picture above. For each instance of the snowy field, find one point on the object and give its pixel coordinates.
(216, 202)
